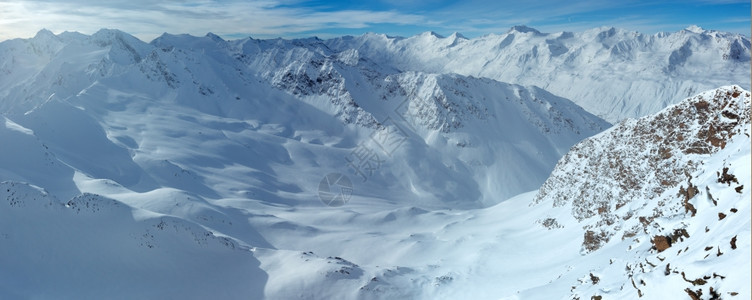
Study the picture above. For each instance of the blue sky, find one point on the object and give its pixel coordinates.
(230, 19)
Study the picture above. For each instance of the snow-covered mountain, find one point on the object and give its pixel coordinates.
(192, 167)
(442, 140)
(688, 237)
(612, 73)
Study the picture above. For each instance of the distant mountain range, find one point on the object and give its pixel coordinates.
(612, 73)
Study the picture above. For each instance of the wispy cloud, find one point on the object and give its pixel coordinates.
(148, 19)
(578, 15)
(293, 18)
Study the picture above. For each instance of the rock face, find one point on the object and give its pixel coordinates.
(668, 179)
(643, 158)
(661, 243)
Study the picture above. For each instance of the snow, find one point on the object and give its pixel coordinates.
(642, 205)
(189, 167)
(595, 68)
(94, 247)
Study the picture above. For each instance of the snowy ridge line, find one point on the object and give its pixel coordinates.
(559, 62)
(23, 196)
(105, 79)
(601, 59)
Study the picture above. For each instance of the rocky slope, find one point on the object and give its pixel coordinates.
(677, 181)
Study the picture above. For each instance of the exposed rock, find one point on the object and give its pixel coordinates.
(695, 295)
(661, 243)
(726, 177)
(593, 241)
(594, 279)
(687, 195)
(642, 159)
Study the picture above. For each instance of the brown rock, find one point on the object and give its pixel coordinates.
(594, 279)
(661, 242)
(695, 295)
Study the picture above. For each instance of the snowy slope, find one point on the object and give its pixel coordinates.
(672, 190)
(189, 167)
(95, 247)
(612, 73)
(287, 110)
(531, 248)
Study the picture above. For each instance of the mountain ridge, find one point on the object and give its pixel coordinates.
(241, 79)
(562, 62)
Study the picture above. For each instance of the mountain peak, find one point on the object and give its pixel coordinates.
(107, 36)
(44, 33)
(524, 29)
(172, 40)
(71, 35)
(107, 32)
(431, 33)
(381, 36)
(695, 29)
(457, 35)
(214, 37)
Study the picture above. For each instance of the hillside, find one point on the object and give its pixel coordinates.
(284, 110)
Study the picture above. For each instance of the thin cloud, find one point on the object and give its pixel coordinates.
(147, 20)
(295, 18)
